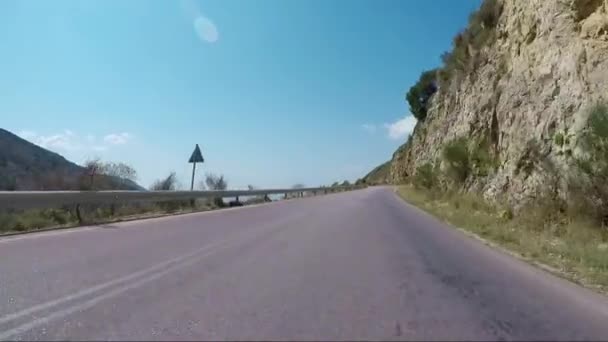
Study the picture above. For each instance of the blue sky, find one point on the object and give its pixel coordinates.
(276, 92)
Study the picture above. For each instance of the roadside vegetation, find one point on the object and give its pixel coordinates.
(465, 58)
(565, 227)
(573, 246)
(95, 176)
(36, 219)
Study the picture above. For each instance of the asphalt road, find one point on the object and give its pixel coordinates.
(361, 265)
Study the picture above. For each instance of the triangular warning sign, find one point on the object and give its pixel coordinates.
(197, 156)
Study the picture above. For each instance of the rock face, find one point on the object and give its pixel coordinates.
(536, 80)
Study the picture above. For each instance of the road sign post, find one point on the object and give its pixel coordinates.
(196, 157)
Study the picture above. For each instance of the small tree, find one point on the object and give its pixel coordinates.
(165, 184)
(419, 95)
(168, 183)
(215, 182)
(121, 171)
(105, 175)
(92, 168)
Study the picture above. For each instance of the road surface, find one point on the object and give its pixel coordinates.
(360, 265)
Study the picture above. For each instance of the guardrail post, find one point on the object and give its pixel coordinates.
(78, 214)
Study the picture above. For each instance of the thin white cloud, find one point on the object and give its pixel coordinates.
(60, 141)
(369, 128)
(117, 138)
(401, 128)
(70, 141)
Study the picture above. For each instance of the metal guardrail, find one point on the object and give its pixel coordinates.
(53, 199)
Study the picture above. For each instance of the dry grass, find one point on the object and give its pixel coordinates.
(575, 248)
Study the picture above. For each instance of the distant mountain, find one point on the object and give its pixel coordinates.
(26, 166)
(379, 175)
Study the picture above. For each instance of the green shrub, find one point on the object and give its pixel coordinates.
(558, 139)
(598, 121)
(102, 212)
(59, 216)
(456, 155)
(480, 32)
(173, 206)
(425, 176)
(506, 214)
(19, 226)
(7, 222)
(594, 161)
(482, 159)
(488, 14)
(32, 220)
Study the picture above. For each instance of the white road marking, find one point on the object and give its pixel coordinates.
(91, 302)
(144, 276)
(26, 236)
(105, 285)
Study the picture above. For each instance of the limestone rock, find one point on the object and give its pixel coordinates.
(548, 65)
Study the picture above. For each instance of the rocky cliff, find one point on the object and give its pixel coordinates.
(522, 92)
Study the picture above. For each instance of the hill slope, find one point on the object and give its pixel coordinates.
(379, 175)
(26, 166)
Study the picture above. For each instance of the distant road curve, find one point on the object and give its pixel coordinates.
(359, 265)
